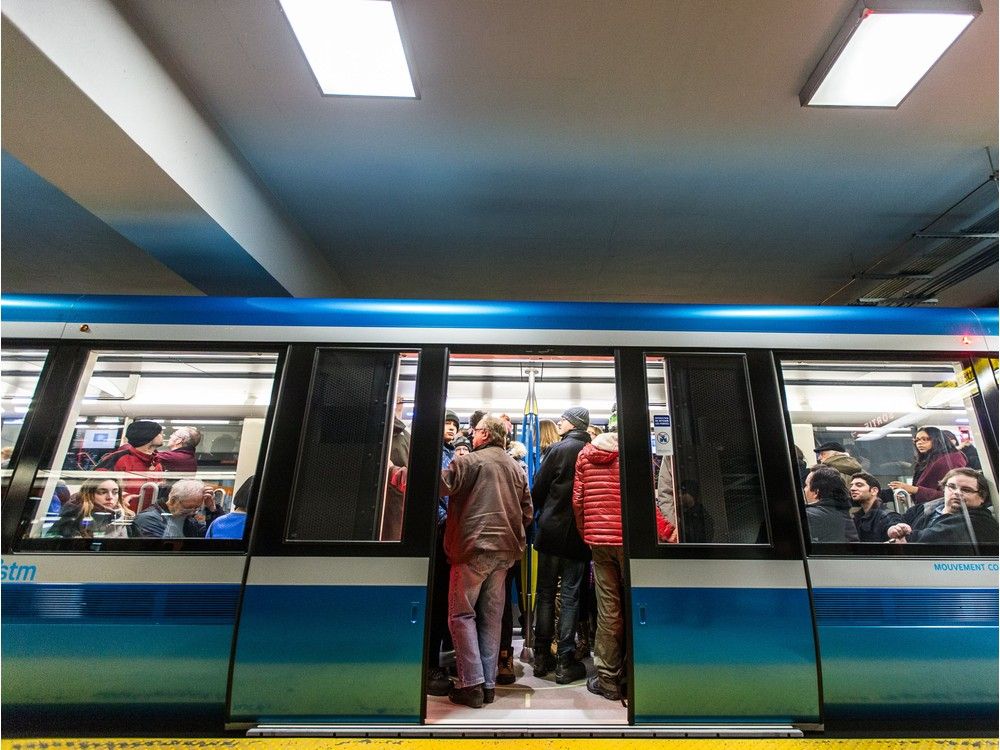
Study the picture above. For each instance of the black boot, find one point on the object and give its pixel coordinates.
(437, 681)
(569, 670)
(545, 662)
(595, 686)
(471, 696)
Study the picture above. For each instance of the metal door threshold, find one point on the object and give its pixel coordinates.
(478, 731)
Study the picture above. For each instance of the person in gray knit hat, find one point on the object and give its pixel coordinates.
(577, 416)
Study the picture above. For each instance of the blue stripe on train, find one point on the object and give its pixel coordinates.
(506, 315)
(906, 607)
(95, 603)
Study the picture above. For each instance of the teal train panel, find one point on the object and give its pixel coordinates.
(167, 646)
(711, 654)
(333, 653)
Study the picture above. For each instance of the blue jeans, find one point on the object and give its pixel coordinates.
(475, 607)
(550, 568)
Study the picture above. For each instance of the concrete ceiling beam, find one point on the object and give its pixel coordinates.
(174, 184)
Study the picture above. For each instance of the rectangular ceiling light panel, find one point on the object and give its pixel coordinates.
(353, 46)
(880, 55)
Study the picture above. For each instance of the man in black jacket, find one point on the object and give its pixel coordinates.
(874, 519)
(561, 551)
(828, 506)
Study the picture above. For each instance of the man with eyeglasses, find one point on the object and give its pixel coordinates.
(963, 509)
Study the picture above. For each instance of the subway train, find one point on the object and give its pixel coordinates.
(315, 619)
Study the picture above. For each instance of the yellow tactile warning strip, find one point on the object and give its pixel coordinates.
(299, 743)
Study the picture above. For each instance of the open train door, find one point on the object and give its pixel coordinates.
(331, 626)
(721, 630)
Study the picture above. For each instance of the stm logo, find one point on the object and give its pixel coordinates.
(15, 573)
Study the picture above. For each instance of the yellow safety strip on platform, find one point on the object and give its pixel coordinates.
(340, 743)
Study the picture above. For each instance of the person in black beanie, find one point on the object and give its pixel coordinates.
(561, 551)
(138, 456)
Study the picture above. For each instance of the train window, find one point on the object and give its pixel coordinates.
(892, 431)
(156, 446)
(703, 441)
(355, 426)
(18, 379)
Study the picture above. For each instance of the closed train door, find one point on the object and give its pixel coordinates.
(720, 614)
(333, 614)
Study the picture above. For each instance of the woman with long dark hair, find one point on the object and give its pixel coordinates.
(935, 457)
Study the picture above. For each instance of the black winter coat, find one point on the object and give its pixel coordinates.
(873, 525)
(931, 527)
(552, 496)
(828, 522)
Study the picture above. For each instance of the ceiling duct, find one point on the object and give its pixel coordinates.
(957, 245)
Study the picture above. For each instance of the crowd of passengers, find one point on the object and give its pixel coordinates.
(947, 501)
(486, 513)
(153, 501)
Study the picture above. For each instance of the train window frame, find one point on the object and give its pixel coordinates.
(741, 365)
(15, 537)
(385, 448)
(268, 539)
(768, 431)
(823, 550)
(17, 446)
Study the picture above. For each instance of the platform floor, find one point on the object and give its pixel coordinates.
(238, 743)
(535, 701)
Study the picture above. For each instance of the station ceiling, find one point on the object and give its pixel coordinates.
(560, 149)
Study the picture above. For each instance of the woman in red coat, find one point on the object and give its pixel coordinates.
(935, 458)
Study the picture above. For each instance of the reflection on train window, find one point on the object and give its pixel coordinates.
(156, 446)
(874, 443)
(19, 375)
(356, 423)
(704, 451)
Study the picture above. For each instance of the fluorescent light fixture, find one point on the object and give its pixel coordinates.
(353, 46)
(885, 48)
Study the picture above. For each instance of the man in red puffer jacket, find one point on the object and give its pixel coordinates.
(597, 507)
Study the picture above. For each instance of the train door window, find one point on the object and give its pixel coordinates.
(354, 450)
(155, 446)
(706, 469)
(19, 376)
(902, 426)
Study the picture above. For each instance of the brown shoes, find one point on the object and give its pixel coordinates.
(505, 669)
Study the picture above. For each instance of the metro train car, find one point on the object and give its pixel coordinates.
(314, 618)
